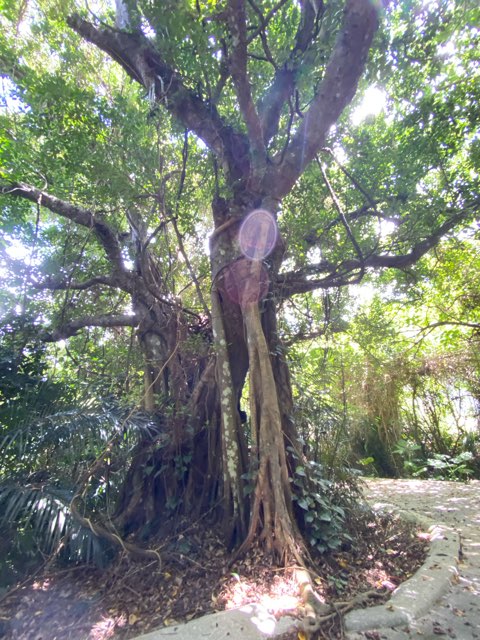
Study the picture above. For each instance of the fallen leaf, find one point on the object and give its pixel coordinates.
(132, 619)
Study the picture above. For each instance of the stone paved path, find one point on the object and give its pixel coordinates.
(457, 615)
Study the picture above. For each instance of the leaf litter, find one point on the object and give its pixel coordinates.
(197, 577)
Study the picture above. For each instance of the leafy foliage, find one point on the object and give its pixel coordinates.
(441, 466)
(26, 392)
(328, 504)
(401, 382)
(44, 462)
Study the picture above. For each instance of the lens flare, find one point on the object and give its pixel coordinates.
(246, 282)
(258, 234)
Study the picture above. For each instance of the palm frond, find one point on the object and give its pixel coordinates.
(72, 435)
(45, 511)
(42, 461)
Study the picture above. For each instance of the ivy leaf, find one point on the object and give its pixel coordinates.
(302, 502)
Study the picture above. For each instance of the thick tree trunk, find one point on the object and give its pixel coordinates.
(201, 458)
(248, 327)
(177, 471)
(272, 515)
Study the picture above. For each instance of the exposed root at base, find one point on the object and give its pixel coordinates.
(316, 618)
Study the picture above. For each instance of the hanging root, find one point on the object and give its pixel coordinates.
(272, 520)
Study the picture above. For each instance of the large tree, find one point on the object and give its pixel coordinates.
(243, 99)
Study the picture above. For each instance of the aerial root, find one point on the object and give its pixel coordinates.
(315, 614)
(102, 532)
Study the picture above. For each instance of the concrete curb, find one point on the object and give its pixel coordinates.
(416, 596)
(250, 622)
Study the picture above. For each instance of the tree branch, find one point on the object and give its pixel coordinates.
(263, 34)
(315, 235)
(271, 105)
(453, 323)
(137, 55)
(352, 178)
(84, 217)
(336, 90)
(300, 281)
(74, 326)
(265, 20)
(312, 335)
(283, 84)
(65, 285)
(344, 220)
(237, 20)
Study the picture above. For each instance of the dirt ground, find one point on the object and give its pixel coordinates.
(197, 577)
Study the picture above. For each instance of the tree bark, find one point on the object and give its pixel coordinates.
(247, 338)
(272, 516)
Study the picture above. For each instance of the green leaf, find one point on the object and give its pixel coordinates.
(302, 502)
